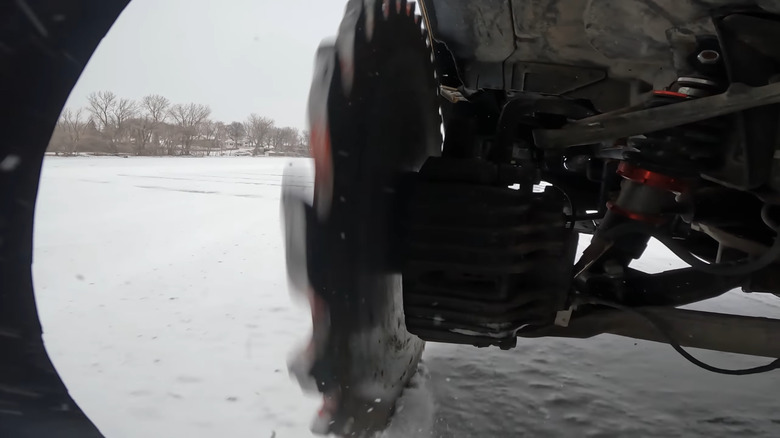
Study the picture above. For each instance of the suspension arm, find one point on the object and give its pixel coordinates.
(690, 328)
(621, 124)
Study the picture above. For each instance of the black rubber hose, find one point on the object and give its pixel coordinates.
(775, 364)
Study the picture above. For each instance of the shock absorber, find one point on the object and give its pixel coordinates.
(657, 169)
(645, 196)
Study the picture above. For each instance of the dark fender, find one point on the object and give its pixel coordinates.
(44, 46)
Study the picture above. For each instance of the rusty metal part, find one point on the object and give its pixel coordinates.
(711, 331)
(452, 94)
(738, 97)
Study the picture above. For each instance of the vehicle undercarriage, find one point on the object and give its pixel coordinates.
(558, 120)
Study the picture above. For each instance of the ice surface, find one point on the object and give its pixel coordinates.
(163, 295)
(414, 411)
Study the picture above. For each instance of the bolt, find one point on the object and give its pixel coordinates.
(708, 57)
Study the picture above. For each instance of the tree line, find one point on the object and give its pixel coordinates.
(154, 126)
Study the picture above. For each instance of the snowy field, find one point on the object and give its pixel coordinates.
(162, 292)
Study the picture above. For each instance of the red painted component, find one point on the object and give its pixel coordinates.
(320, 149)
(329, 405)
(670, 94)
(638, 175)
(650, 178)
(319, 308)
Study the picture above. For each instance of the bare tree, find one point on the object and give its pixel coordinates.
(220, 131)
(284, 140)
(235, 131)
(258, 129)
(275, 139)
(124, 111)
(214, 133)
(101, 108)
(73, 125)
(302, 149)
(111, 115)
(188, 118)
(59, 139)
(152, 125)
(156, 107)
(287, 140)
(168, 136)
(154, 112)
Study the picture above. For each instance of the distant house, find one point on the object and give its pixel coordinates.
(243, 143)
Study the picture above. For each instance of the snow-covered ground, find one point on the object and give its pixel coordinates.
(163, 295)
(162, 291)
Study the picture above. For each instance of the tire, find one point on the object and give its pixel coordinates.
(378, 121)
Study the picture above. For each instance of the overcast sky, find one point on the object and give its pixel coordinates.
(237, 56)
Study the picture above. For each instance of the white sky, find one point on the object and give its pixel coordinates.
(237, 56)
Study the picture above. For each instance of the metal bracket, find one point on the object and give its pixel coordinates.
(563, 317)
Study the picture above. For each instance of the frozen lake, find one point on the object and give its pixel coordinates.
(163, 294)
